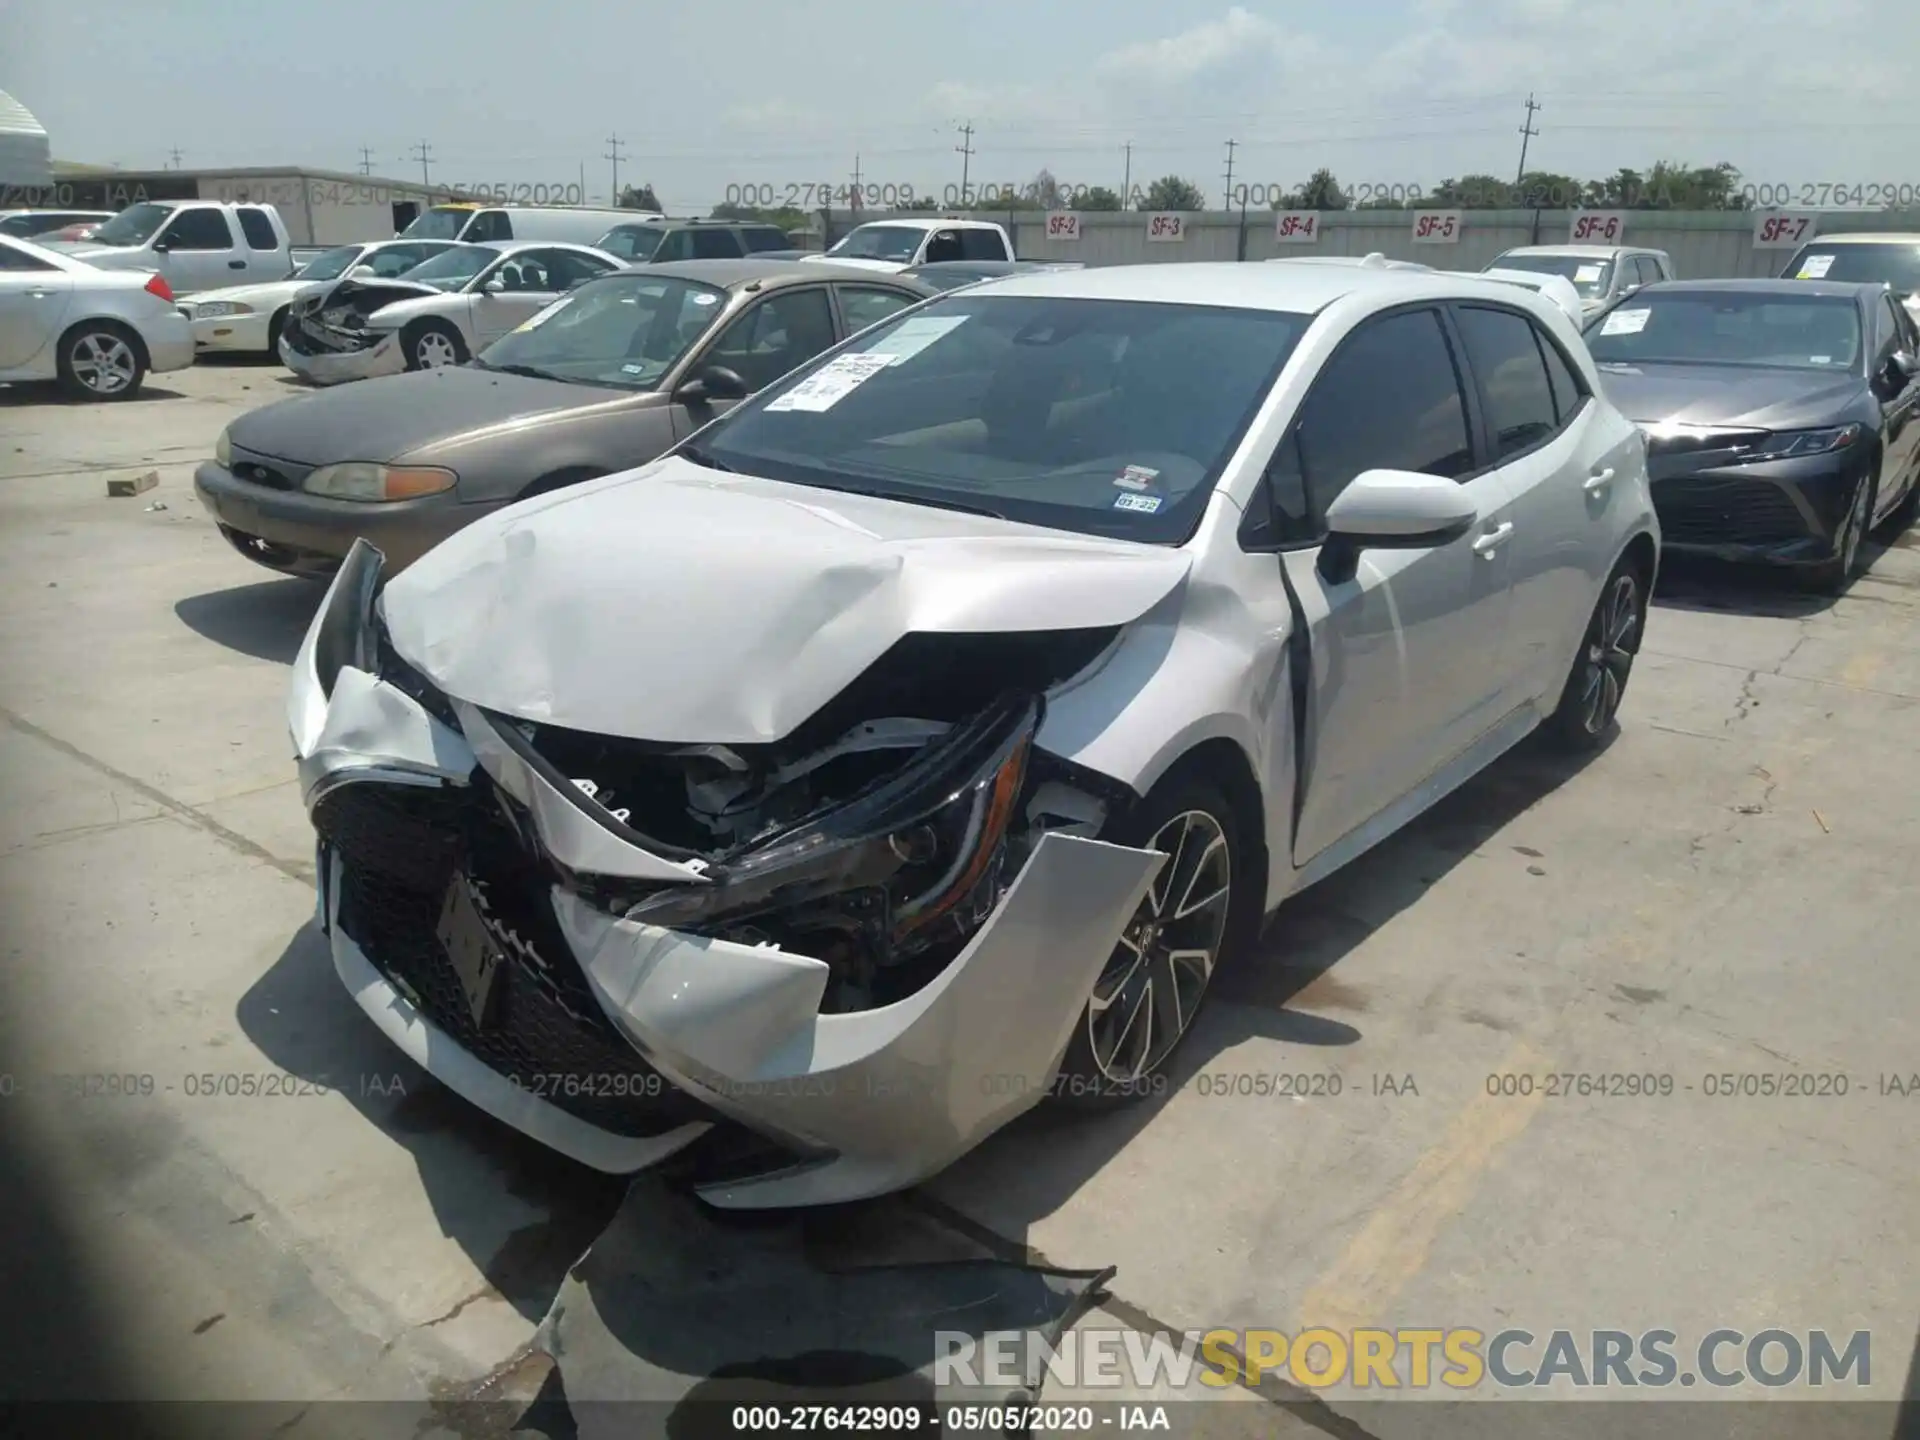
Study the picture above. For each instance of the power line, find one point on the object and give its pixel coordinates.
(1126, 183)
(1228, 195)
(1527, 132)
(175, 153)
(424, 154)
(965, 147)
(366, 160)
(854, 198)
(613, 154)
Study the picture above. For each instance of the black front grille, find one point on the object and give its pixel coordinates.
(1719, 510)
(262, 475)
(400, 847)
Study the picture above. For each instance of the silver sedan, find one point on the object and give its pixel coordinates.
(912, 743)
(100, 333)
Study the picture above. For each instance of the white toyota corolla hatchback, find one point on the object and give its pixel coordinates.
(915, 740)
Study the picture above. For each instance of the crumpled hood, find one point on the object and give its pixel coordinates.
(1766, 399)
(676, 603)
(267, 292)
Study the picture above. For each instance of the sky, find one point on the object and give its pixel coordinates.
(748, 99)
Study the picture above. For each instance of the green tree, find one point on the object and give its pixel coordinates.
(786, 216)
(1321, 192)
(1545, 190)
(1100, 198)
(640, 197)
(1172, 192)
(1473, 192)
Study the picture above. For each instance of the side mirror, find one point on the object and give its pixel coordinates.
(1900, 367)
(1392, 510)
(361, 272)
(1626, 290)
(161, 247)
(494, 286)
(716, 382)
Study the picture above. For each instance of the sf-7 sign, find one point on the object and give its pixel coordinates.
(1775, 231)
(1436, 227)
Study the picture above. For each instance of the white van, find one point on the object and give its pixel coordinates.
(469, 222)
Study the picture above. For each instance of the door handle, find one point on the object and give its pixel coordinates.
(39, 294)
(1494, 539)
(1598, 481)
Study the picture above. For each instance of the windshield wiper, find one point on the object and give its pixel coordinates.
(532, 372)
(701, 457)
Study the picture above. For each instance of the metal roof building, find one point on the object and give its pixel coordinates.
(25, 156)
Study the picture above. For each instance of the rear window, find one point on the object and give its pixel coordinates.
(764, 237)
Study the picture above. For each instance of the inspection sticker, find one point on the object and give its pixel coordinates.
(1816, 268)
(1587, 274)
(1625, 322)
(1136, 477)
(1145, 504)
(915, 335)
(832, 383)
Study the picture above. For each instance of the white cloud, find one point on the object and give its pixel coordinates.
(1236, 36)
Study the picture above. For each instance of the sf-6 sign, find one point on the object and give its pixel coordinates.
(1063, 225)
(1297, 227)
(1436, 227)
(1773, 230)
(1598, 227)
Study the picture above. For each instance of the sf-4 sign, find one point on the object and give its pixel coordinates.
(1774, 230)
(1167, 225)
(1598, 227)
(1436, 227)
(1063, 225)
(1297, 227)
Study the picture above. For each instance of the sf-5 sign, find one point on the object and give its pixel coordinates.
(1436, 227)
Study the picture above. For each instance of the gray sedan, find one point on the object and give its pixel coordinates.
(604, 379)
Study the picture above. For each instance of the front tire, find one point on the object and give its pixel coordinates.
(274, 327)
(1590, 703)
(1159, 975)
(99, 360)
(434, 345)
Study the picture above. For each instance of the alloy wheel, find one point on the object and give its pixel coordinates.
(1612, 638)
(1159, 972)
(433, 350)
(103, 362)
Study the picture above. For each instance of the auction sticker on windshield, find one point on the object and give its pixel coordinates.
(1625, 322)
(833, 382)
(915, 335)
(1145, 504)
(1136, 477)
(1588, 274)
(1816, 267)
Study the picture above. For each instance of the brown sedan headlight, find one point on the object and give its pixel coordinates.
(358, 480)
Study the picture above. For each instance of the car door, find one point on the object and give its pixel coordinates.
(197, 250)
(1899, 408)
(1559, 458)
(1403, 654)
(864, 305)
(520, 285)
(939, 247)
(776, 333)
(34, 299)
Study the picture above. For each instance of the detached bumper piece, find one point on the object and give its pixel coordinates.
(612, 995)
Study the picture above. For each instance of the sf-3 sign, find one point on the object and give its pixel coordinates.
(1166, 225)
(1436, 227)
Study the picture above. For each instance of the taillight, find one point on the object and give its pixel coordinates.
(157, 285)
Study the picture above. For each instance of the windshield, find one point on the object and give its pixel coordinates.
(451, 269)
(880, 242)
(328, 264)
(631, 242)
(132, 226)
(438, 223)
(1897, 265)
(1105, 417)
(1589, 277)
(1817, 333)
(625, 330)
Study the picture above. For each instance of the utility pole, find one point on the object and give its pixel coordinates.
(1126, 184)
(613, 154)
(1231, 146)
(366, 160)
(1527, 132)
(175, 154)
(855, 197)
(965, 147)
(424, 154)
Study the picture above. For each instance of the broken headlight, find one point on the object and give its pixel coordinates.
(918, 842)
(355, 480)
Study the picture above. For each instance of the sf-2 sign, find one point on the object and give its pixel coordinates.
(1773, 230)
(1598, 227)
(1063, 225)
(1297, 227)
(1436, 227)
(1167, 225)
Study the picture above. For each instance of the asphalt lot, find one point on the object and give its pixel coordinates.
(1723, 892)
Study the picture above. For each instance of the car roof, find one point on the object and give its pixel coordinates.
(1230, 284)
(922, 222)
(1592, 252)
(508, 247)
(1887, 237)
(734, 273)
(1759, 285)
(661, 222)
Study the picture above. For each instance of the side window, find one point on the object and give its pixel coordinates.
(1888, 333)
(981, 245)
(782, 332)
(861, 305)
(1389, 399)
(1513, 376)
(490, 225)
(258, 229)
(715, 244)
(395, 259)
(1569, 391)
(198, 229)
(12, 259)
(674, 245)
(764, 237)
(944, 245)
(564, 268)
(1649, 269)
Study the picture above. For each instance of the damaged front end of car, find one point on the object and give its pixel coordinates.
(868, 941)
(329, 334)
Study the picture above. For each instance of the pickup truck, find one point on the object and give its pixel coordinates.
(195, 244)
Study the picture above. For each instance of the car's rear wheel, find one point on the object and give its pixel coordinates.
(1590, 702)
(1145, 1000)
(1833, 576)
(274, 327)
(99, 360)
(434, 344)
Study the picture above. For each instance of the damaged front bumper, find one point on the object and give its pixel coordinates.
(319, 363)
(565, 1013)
